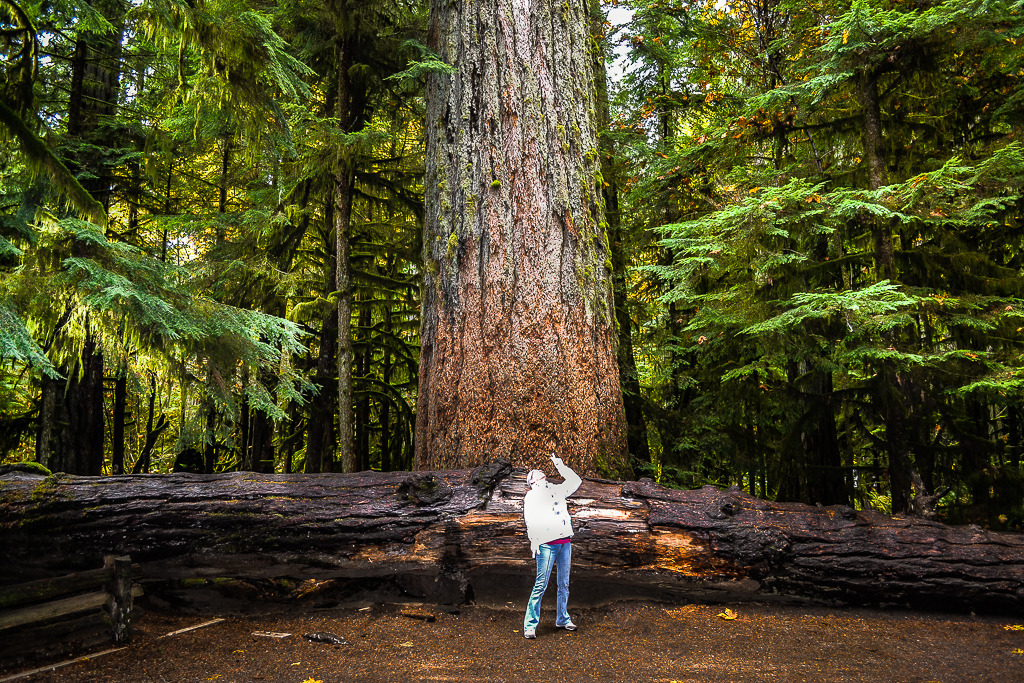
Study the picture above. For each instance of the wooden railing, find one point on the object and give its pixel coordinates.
(53, 616)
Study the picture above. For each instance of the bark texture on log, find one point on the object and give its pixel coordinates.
(460, 533)
(518, 331)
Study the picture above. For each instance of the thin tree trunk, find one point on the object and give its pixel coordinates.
(117, 428)
(222, 198)
(262, 435)
(632, 399)
(83, 404)
(385, 404)
(321, 414)
(518, 348)
(245, 460)
(890, 384)
(1014, 435)
(47, 420)
(343, 277)
(363, 402)
(826, 484)
(210, 440)
(142, 464)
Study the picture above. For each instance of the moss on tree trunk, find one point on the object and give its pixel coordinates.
(518, 339)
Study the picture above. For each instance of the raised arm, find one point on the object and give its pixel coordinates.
(572, 480)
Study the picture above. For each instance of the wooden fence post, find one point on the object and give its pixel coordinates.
(120, 589)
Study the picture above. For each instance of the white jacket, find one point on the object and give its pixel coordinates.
(545, 512)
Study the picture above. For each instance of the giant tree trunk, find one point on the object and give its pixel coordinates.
(518, 339)
(453, 535)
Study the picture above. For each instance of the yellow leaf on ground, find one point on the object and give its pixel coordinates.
(407, 643)
(1014, 627)
(727, 614)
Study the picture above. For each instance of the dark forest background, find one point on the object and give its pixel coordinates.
(815, 210)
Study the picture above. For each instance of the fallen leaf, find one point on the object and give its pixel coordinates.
(407, 643)
(1014, 627)
(727, 614)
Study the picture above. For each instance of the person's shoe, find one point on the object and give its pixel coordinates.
(568, 626)
(529, 634)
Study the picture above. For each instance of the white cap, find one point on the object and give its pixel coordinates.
(534, 476)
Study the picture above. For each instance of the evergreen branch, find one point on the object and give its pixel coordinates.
(17, 343)
(430, 64)
(38, 155)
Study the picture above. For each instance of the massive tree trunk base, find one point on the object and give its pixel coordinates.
(456, 536)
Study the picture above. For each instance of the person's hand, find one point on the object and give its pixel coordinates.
(556, 461)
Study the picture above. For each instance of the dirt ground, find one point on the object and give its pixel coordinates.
(625, 641)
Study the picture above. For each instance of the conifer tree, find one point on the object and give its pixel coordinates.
(838, 191)
(518, 346)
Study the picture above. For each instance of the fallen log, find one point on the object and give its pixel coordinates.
(457, 535)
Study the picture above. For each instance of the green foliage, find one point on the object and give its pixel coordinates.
(789, 280)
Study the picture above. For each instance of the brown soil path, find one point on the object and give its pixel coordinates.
(620, 642)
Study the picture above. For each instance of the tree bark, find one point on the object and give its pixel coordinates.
(451, 535)
(518, 353)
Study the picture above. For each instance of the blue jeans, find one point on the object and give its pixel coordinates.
(547, 557)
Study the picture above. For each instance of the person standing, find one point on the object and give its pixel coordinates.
(550, 529)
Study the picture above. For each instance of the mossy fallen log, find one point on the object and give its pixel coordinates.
(452, 535)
